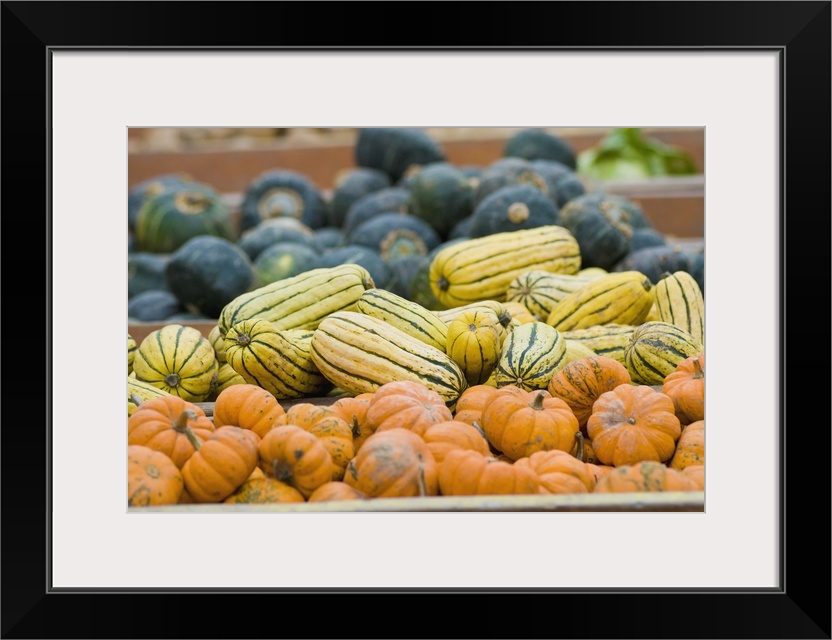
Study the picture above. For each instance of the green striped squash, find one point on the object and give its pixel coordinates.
(359, 353)
(276, 360)
(474, 344)
(531, 355)
(482, 268)
(410, 317)
(179, 360)
(302, 301)
(656, 349)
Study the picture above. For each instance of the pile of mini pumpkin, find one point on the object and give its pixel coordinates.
(592, 430)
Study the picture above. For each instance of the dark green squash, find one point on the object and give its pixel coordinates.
(630, 211)
(442, 195)
(653, 262)
(349, 186)
(146, 272)
(329, 237)
(646, 237)
(268, 232)
(207, 273)
(394, 150)
(512, 208)
(538, 144)
(356, 254)
(153, 305)
(601, 227)
(281, 193)
(138, 194)
(391, 199)
(462, 229)
(184, 317)
(505, 172)
(169, 219)
(402, 272)
(395, 235)
(284, 260)
(564, 184)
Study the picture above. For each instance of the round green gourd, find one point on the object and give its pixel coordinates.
(284, 260)
(512, 208)
(153, 305)
(138, 194)
(368, 258)
(654, 261)
(272, 231)
(564, 184)
(602, 228)
(505, 172)
(537, 144)
(351, 185)
(207, 273)
(442, 195)
(395, 235)
(329, 237)
(169, 219)
(146, 272)
(281, 193)
(403, 270)
(394, 150)
(388, 200)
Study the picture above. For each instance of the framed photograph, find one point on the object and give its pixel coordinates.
(79, 76)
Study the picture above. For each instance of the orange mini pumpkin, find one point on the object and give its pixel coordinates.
(465, 472)
(519, 425)
(160, 424)
(220, 464)
(631, 424)
(293, 455)
(152, 478)
(353, 411)
(559, 472)
(644, 476)
(324, 423)
(406, 404)
(686, 387)
(262, 490)
(247, 406)
(471, 402)
(581, 382)
(690, 449)
(335, 492)
(444, 437)
(393, 463)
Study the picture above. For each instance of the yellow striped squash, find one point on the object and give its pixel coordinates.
(539, 291)
(656, 349)
(302, 301)
(410, 317)
(131, 353)
(679, 301)
(482, 268)
(531, 355)
(474, 344)
(610, 340)
(143, 391)
(620, 298)
(276, 360)
(576, 350)
(226, 377)
(359, 353)
(177, 359)
(499, 309)
(218, 342)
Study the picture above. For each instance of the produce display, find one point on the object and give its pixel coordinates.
(421, 330)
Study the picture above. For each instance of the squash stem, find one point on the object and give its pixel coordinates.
(537, 403)
(180, 425)
(423, 486)
(697, 370)
(579, 442)
(136, 399)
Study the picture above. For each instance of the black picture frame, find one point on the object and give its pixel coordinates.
(799, 31)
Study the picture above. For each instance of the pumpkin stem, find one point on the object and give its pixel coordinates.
(355, 427)
(579, 444)
(136, 399)
(697, 370)
(537, 403)
(477, 426)
(180, 425)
